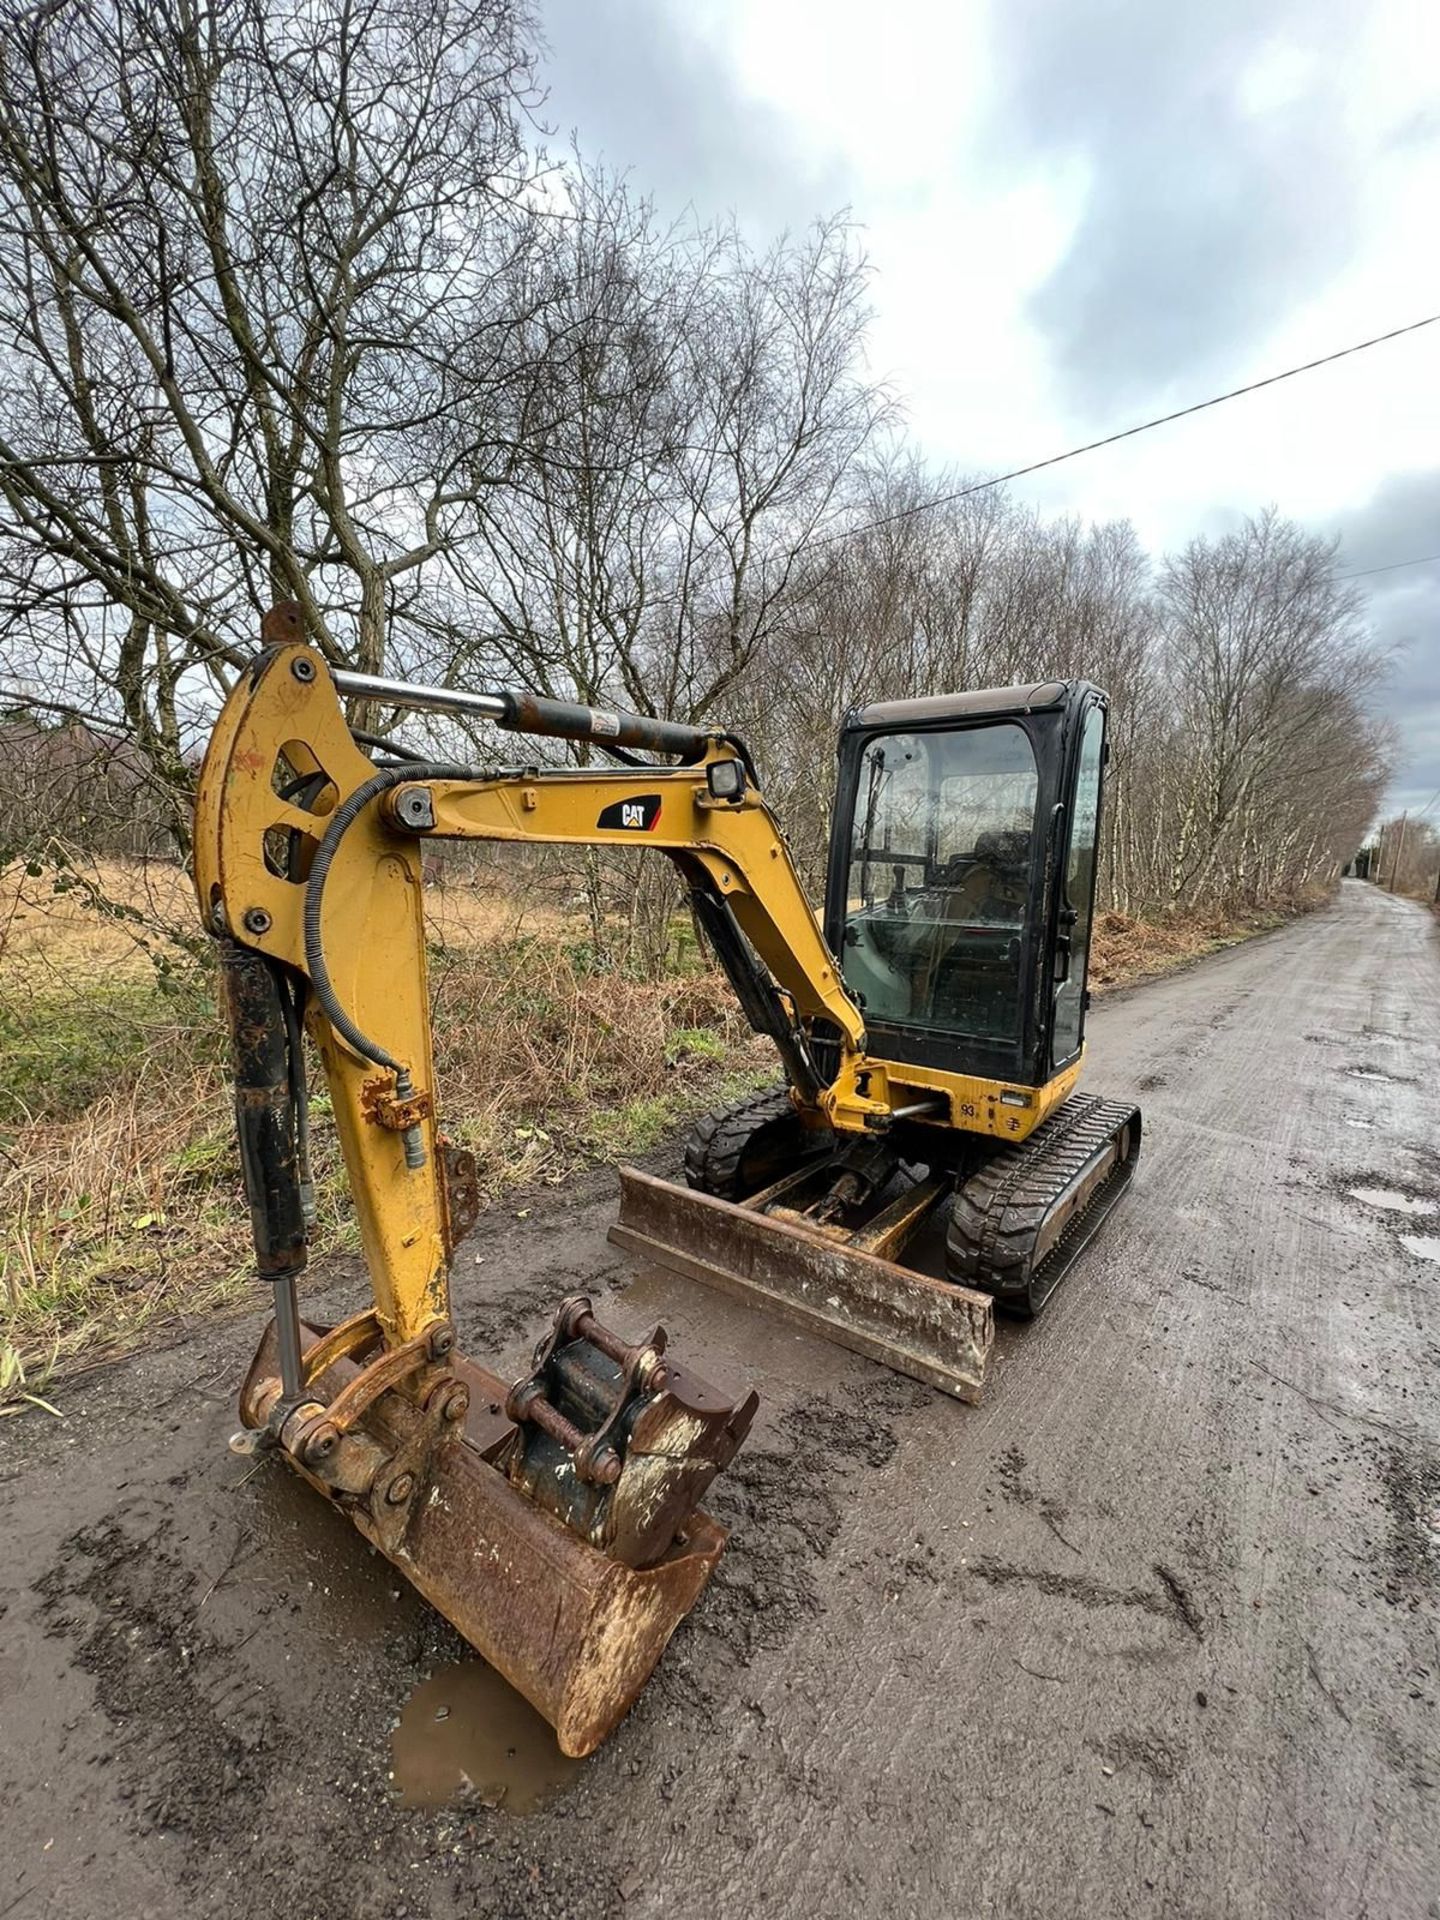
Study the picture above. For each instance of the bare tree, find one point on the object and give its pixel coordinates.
(292, 306)
(1407, 857)
(242, 246)
(1265, 649)
(701, 426)
(703, 420)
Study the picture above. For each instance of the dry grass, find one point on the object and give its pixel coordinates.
(72, 917)
(67, 917)
(120, 1196)
(1123, 949)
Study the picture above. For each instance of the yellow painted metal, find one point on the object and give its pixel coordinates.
(374, 932)
(284, 719)
(973, 1104)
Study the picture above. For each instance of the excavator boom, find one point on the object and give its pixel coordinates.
(556, 1520)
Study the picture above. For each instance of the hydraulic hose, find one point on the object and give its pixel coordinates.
(338, 825)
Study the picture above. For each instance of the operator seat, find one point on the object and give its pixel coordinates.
(988, 889)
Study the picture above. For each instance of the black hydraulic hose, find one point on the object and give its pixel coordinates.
(336, 827)
(306, 788)
(381, 745)
(292, 1000)
(297, 786)
(746, 761)
(339, 823)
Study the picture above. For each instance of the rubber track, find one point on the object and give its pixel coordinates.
(998, 1213)
(717, 1145)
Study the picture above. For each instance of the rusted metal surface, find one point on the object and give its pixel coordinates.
(460, 1187)
(424, 1477)
(887, 1233)
(393, 1365)
(264, 1109)
(283, 625)
(382, 1103)
(601, 1468)
(614, 1442)
(572, 1629)
(565, 720)
(351, 1338)
(936, 1333)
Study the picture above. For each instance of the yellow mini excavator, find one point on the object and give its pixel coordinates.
(930, 1032)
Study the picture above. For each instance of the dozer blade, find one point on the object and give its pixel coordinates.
(936, 1333)
(573, 1629)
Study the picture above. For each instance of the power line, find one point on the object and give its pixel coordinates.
(1361, 573)
(1126, 433)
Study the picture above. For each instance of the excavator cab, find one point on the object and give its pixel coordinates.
(959, 901)
(962, 876)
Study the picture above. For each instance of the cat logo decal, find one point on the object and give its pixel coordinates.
(638, 815)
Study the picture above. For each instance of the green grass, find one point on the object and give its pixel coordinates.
(695, 1043)
(62, 1049)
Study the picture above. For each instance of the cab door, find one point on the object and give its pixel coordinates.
(1075, 901)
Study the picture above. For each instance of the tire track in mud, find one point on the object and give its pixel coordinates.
(1169, 1598)
(785, 1505)
(213, 1757)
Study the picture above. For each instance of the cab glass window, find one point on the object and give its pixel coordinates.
(1069, 1023)
(942, 848)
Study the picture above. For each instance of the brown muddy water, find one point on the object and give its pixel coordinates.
(466, 1731)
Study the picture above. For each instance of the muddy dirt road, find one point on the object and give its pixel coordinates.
(1154, 1632)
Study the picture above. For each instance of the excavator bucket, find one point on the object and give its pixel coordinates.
(835, 1285)
(524, 1541)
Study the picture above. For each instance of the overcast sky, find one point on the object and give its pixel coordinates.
(1083, 214)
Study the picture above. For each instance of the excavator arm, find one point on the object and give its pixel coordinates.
(555, 1520)
(308, 855)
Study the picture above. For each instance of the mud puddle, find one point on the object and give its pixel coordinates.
(465, 1730)
(1426, 1246)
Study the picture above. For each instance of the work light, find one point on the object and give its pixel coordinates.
(726, 780)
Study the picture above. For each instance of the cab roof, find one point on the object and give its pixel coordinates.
(1031, 698)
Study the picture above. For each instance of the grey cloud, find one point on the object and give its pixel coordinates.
(1401, 521)
(1203, 224)
(645, 90)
